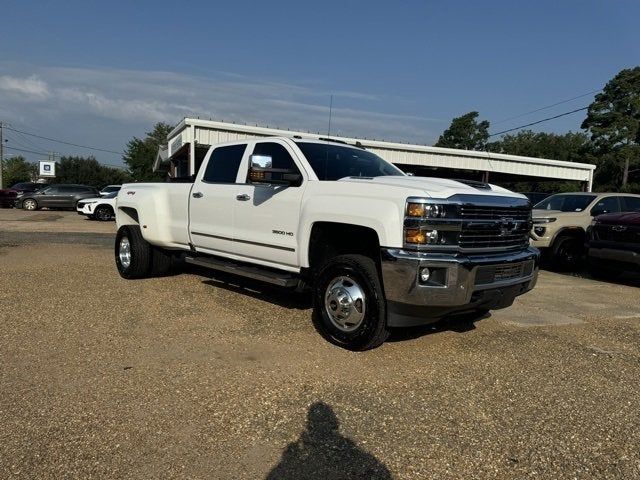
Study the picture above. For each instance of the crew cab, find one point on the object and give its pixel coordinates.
(378, 249)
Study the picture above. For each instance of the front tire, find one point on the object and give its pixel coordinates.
(349, 305)
(103, 213)
(567, 253)
(132, 253)
(30, 204)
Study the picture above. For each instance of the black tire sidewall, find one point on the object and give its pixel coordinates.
(102, 207)
(559, 258)
(140, 253)
(373, 327)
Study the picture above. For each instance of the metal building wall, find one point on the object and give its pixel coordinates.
(210, 133)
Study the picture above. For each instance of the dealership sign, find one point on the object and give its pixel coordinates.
(47, 169)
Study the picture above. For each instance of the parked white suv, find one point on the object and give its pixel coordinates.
(98, 208)
(378, 248)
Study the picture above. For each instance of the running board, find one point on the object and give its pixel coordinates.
(282, 279)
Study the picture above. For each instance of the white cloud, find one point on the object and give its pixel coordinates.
(30, 87)
(114, 104)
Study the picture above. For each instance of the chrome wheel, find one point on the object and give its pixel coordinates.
(344, 302)
(29, 204)
(124, 252)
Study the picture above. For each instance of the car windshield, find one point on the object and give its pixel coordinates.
(333, 162)
(565, 203)
(111, 195)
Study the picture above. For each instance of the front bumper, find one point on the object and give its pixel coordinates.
(610, 256)
(458, 283)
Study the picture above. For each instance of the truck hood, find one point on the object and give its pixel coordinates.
(433, 187)
(552, 213)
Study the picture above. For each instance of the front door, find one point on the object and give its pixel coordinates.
(266, 217)
(213, 198)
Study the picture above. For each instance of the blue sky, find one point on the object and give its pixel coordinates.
(98, 73)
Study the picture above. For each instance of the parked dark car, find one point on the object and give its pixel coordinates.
(7, 197)
(56, 196)
(28, 187)
(613, 244)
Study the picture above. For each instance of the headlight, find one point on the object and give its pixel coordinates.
(421, 237)
(544, 220)
(424, 210)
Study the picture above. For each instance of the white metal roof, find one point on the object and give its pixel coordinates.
(210, 132)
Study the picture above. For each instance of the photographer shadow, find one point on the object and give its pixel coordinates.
(322, 452)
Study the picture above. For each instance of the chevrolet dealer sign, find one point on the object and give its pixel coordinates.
(47, 169)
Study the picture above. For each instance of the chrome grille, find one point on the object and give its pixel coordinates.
(473, 212)
(493, 237)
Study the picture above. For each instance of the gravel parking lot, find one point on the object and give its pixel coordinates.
(206, 376)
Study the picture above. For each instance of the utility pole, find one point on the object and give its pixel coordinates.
(1, 153)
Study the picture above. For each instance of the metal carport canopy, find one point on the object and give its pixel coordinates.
(210, 132)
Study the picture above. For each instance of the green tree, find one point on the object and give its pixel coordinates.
(87, 171)
(465, 132)
(17, 169)
(141, 153)
(568, 147)
(613, 120)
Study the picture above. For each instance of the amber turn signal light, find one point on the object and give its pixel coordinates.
(412, 235)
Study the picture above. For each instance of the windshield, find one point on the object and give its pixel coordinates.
(333, 162)
(565, 203)
(111, 195)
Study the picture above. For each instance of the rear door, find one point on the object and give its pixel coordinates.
(213, 197)
(267, 216)
(50, 197)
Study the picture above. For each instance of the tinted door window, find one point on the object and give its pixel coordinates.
(224, 164)
(51, 191)
(606, 205)
(631, 204)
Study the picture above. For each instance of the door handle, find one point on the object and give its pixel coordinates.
(243, 197)
(197, 195)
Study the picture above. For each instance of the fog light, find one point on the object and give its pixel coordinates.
(539, 231)
(424, 275)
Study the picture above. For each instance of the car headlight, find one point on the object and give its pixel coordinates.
(544, 220)
(424, 210)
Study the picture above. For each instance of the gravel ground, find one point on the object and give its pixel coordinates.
(190, 376)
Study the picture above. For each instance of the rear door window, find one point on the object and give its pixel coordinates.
(606, 205)
(631, 204)
(224, 163)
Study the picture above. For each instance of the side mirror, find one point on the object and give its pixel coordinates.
(261, 171)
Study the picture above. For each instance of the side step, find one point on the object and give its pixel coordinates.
(282, 279)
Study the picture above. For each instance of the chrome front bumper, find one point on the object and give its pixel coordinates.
(458, 283)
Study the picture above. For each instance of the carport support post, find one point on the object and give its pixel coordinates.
(485, 177)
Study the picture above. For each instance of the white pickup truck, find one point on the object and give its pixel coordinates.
(379, 249)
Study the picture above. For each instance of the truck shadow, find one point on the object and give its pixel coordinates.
(252, 288)
(322, 452)
(458, 324)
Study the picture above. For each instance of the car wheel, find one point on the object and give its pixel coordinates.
(30, 204)
(132, 253)
(349, 306)
(103, 213)
(567, 253)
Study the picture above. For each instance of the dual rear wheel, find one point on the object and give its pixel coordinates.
(136, 258)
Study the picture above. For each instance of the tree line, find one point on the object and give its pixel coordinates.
(610, 140)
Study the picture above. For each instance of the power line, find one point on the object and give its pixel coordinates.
(539, 121)
(59, 155)
(65, 143)
(27, 151)
(548, 106)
